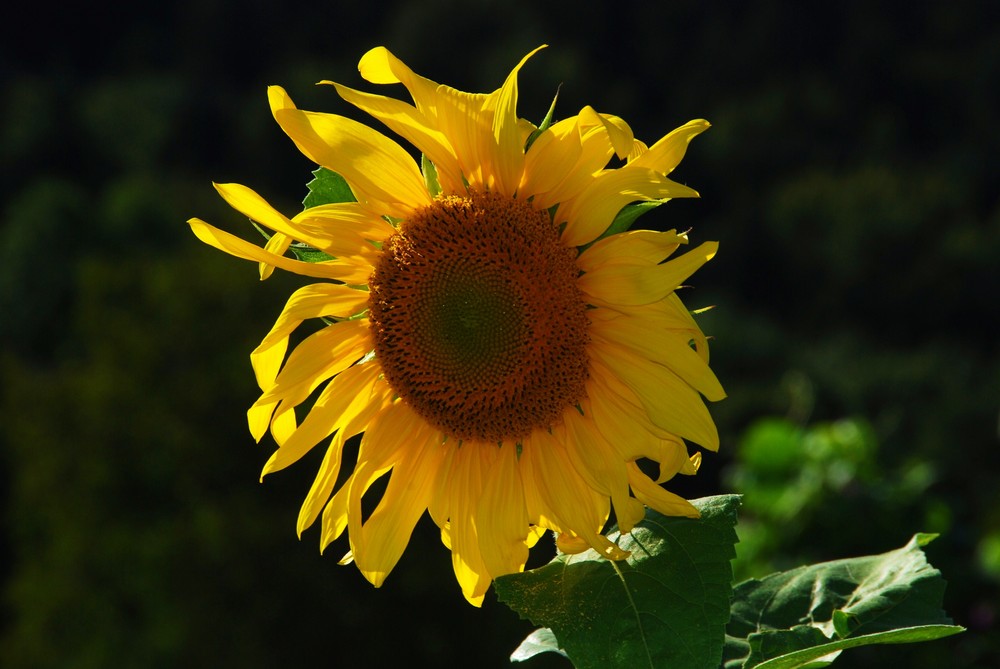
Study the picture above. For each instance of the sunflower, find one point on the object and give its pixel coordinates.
(507, 360)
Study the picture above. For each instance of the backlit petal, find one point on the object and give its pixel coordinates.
(667, 153)
(656, 497)
(590, 213)
(378, 170)
(626, 282)
(671, 350)
(647, 246)
(341, 400)
(670, 402)
(502, 518)
(326, 477)
(508, 156)
(408, 122)
(313, 301)
(387, 531)
(235, 246)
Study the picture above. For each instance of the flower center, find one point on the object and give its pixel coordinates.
(477, 319)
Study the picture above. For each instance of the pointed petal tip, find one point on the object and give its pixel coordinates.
(269, 467)
(376, 578)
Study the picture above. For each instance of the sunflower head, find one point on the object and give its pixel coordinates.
(507, 354)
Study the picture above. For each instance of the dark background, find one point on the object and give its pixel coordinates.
(850, 177)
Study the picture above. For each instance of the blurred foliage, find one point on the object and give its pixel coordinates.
(850, 176)
(789, 475)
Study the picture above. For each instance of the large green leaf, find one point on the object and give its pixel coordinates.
(806, 616)
(665, 606)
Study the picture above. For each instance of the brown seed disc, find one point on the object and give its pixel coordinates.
(477, 319)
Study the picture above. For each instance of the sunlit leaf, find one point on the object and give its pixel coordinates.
(665, 606)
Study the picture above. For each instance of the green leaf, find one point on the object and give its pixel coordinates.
(666, 605)
(327, 187)
(806, 616)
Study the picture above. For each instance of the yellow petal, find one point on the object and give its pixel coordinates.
(638, 148)
(483, 130)
(320, 356)
(616, 129)
(507, 158)
(626, 282)
(326, 477)
(378, 170)
(335, 229)
(590, 453)
(571, 544)
(387, 532)
(564, 159)
(467, 123)
(589, 214)
(251, 205)
(284, 422)
(501, 517)
(626, 428)
(340, 401)
(669, 314)
(349, 273)
(440, 506)
(278, 245)
(674, 459)
(618, 411)
(669, 349)
(379, 450)
(545, 163)
(667, 153)
(313, 301)
(334, 347)
(380, 66)
(692, 466)
(408, 122)
(470, 467)
(656, 497)
(339, 218)
(644, 246)
(669, 401)
(571, 503)
(538, 510)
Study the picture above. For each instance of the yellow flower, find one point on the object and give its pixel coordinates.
(507, 363)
